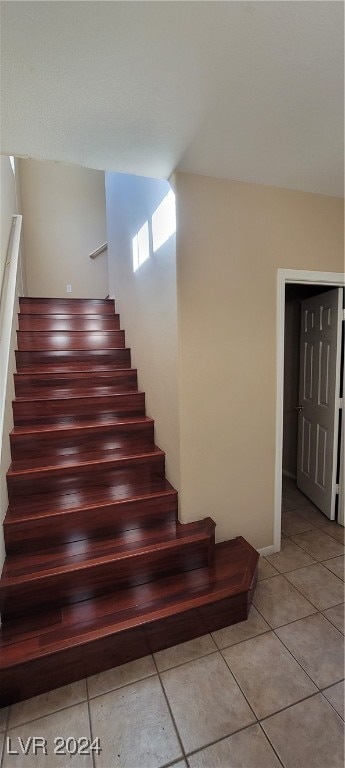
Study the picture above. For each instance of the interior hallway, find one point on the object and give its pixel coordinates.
(260, 694)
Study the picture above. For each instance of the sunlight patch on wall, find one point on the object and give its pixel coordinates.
(141, 246)
(164, 221)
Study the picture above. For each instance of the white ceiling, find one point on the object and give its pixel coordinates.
(251, 91)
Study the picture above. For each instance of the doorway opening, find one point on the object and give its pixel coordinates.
(295, 286)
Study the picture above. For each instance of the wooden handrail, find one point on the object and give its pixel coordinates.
(99, 250)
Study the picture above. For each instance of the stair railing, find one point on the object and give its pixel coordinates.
(11, 290)
(98, 251)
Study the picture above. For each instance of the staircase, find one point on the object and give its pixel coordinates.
(98, 570)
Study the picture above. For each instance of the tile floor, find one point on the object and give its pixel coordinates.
(265, 693)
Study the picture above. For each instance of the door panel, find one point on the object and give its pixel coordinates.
(318, 398)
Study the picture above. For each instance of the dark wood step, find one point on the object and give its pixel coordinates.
(60, 440)
(67, 306)
(59, 409)
(44, 651)
(41, 520)
(49, 322)
(68, 476)
(62, 340)
(84, 569)
(55, 361)
(62, 385)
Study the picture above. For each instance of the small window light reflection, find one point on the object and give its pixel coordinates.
(141, 246)
(164, 221)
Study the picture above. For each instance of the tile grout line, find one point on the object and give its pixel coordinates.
(272, 745)
(90, 721)
(5, 737)
(170, 710)
(307, 598)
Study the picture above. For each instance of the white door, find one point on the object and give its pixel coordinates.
(319, 388)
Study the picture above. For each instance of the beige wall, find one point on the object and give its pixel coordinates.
(231, 239)
(63, 221)
(146, 301)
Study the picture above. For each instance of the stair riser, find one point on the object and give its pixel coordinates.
(68, 323)
(31, 678)
(78, 441)
(67, 306)
(106, 520)
(70, 481)
(56, 411)
(72, 360)
(70, 340)
(94, 387)
(78, 585)
(31, 385)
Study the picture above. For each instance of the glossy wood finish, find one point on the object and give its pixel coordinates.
(50, 385)
(59, 340)
(47, 650)
(98, 569)
(68, 322)
(30, 410)
(67, 306)
(83, 569)
(55, 361)
(51, 441)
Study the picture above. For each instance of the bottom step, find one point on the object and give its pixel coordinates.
(60, 646)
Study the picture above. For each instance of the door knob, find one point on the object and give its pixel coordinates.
(299, 408)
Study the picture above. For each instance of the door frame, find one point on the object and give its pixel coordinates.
(284, 276)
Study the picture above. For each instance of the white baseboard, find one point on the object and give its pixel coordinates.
(266, 550)
(286, 473)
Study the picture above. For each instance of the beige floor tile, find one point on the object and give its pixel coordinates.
(290, 556)
(338, 533)
(248, 749)
(313, 515)
(268, 675)
(3, 718)
(319, 544)
(135, 727)
(333, 529)
(179, 654)
(265, 570)
(336, 616)
(336, 565)
(254, 625)
(206, 702)
(292, 523)
(72, 722)
(308, 735)
(46, 703)
(279, 602)
(318, 585)
(119, 676)
(336, 695)
(317, 646)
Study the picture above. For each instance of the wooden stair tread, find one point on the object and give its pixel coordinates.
(65, 322)
(91, 497)
(98, 569)
(85, 553)
(78, 426)
(70, 306)
(60, 393)
(231, 574)
(73, 461)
